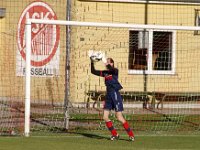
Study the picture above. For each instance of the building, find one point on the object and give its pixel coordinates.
(148, 60)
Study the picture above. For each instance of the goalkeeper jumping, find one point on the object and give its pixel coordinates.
(113, 97)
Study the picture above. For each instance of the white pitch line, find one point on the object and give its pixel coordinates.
(121, 135)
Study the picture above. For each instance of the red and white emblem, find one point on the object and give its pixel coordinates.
(44, 38)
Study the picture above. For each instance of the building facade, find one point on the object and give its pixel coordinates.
(148, 60)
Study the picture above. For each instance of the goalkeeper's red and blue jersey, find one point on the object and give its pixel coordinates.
(110, 75)
(113, 97)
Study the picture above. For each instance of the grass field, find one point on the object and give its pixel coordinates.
(88, 132)
(91, 141)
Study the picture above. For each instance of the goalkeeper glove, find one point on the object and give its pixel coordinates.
(90, 53)
(104, 60)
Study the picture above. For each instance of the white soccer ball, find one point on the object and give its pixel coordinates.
(95, 56)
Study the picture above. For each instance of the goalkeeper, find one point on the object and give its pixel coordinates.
(113, 97)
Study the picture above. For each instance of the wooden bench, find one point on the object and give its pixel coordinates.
(153, 100)
(98, 96)
(178, 96)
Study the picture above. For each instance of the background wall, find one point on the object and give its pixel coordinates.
(11, 85)
(116, 45)
(114, 42)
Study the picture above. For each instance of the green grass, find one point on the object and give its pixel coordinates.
(91, 141)
(144, 122)
(153, 132)
(138, 122)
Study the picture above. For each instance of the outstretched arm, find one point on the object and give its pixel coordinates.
(94, 71)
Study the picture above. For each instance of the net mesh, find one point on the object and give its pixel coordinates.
(157, 68)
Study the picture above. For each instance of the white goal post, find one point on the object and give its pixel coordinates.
(29, 22)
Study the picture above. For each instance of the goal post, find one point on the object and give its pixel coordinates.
(148, 94)
(28, 79)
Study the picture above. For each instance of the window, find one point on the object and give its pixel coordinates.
(151, 51)
(197, 21)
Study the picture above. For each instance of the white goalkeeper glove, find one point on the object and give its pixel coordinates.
(104, 59)
(98, 55)
(90, 53)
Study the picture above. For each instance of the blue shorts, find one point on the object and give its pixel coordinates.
(113, 101)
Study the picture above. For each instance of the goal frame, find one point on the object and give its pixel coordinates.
(28, 24)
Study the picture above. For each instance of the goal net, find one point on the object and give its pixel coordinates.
(158, 68)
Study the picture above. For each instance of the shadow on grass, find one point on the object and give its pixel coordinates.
(95, 136)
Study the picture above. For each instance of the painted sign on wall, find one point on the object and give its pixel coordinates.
(45, 40)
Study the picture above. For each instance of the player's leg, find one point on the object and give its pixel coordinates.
(106, 114)
(110, 125)
(119, 108)
(107, 107)
(125, 124)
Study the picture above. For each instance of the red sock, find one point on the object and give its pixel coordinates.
(109, 125)
(128, 129)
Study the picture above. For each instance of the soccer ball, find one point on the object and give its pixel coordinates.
(95, 56)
